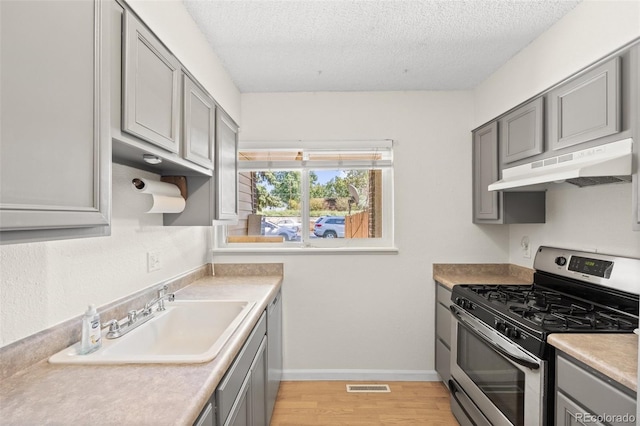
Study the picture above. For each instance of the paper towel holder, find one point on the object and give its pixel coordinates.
(179, 181)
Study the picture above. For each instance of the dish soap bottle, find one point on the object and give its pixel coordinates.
(91, 336)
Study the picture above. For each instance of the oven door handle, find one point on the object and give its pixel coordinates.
(499, 344)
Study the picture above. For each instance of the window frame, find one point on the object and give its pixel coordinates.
(370, 245)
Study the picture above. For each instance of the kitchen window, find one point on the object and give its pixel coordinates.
(331, 195)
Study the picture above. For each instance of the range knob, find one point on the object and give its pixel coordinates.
(500, 326)
(462, 302)
(511, 332)
(561, 260)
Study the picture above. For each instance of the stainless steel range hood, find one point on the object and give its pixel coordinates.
(607, 163)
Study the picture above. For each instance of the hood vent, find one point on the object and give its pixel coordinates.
(602, 180)
(609, 163)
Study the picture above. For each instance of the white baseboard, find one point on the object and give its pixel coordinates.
(362, 375)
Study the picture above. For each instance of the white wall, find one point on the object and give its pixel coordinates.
(46, 283)
(171, 22)
(376, 312)
(590, 218)
(595, 218)
(592, 30)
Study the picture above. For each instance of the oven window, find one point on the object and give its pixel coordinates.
(500, 381)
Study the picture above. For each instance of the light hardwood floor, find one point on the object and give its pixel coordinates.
(328, 403)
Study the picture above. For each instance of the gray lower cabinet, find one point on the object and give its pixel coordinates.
(206, 417)
(250, 406)
(240, 414)
(586, 107)
(635, 102)
(274, 352)
(151, 87)
(258, 391)
(55, 149)
(240, 398)
(522, 132)
(443, 332)
(491, 207)
(586, 397)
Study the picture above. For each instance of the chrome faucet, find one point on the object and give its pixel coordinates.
(136, 318)
(162, 295)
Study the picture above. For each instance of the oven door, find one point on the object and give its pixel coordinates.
(502, 380)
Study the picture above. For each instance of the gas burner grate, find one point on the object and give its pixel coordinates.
(573, 317)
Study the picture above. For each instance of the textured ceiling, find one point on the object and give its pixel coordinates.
(291, 46)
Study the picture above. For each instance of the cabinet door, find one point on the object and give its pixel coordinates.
(55, 161)
(198, 124)
(240, 414)
(443, 361)
(568, 413)
(587, 107)
(522, 132)
(443, 332)
(274, 352)
(635, 90)
(151, 80)
(259, 387)
(589, 389)
(206, 417)
(485, 172)
(226, 168)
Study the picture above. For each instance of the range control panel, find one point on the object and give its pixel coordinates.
(597, 267)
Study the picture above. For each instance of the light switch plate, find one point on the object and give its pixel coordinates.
(153, 261)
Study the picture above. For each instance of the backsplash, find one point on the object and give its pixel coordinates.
(34, 348)
(48, 283)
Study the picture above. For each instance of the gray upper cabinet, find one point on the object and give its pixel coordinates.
(586, 107)
(491, 207)
(485, 172)
(198, 124)
(55, 162)
(522, 132)
(226, 172)
(151, 80)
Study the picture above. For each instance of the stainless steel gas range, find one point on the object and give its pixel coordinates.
(502, 368)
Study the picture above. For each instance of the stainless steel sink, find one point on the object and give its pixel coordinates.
(186, 332)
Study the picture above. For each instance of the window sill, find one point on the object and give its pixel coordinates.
(305, 250)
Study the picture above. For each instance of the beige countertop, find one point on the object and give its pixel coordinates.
(159, 394)
(450, 274)
(614, 355)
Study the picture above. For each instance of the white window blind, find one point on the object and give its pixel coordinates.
(315, 155)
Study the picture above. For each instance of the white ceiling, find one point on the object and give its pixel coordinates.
(369, 45)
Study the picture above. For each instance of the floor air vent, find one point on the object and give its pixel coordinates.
(368, 388)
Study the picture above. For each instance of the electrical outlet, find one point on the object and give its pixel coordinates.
(526, 247)
(153, 261)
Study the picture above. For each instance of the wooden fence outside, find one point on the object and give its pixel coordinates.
(357, 225)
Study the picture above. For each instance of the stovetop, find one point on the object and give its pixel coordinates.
(573, 292)
(528, 314)
(551, 311)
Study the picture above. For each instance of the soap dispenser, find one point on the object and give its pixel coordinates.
(91, 335)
